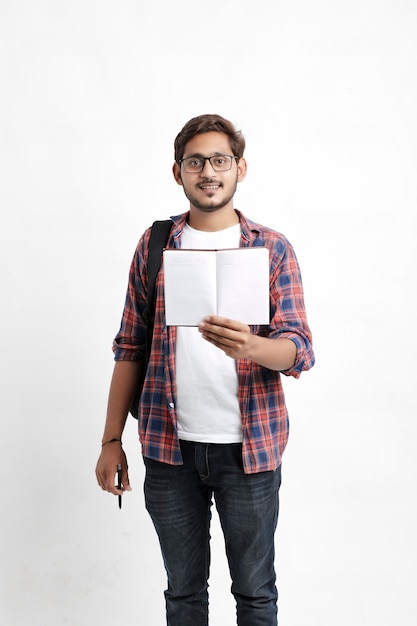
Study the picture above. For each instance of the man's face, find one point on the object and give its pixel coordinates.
(210, 190)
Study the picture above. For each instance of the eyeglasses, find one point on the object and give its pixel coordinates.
(220, 163)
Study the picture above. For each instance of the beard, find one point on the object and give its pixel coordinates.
(210, 204)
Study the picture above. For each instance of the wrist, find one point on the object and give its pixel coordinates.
(111, 441)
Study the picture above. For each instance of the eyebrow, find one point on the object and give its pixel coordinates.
(199, 155)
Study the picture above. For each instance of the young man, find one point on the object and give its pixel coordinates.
(213, 421)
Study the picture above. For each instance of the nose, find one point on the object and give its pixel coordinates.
(207, 171)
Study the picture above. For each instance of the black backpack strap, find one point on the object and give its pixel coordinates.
(157, 241)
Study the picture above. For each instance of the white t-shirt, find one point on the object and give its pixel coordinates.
(207, 385)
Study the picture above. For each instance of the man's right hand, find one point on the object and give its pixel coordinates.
(112, 454)
(122, 390)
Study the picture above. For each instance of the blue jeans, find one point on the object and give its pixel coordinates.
(179, 498)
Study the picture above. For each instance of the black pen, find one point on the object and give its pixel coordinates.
(119, 482)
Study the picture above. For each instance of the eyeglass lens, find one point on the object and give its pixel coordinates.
(219, 163)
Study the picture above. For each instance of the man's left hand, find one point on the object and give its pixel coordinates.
(231, 336)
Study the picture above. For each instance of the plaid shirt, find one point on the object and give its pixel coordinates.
(261, 397)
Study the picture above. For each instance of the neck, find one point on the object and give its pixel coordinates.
(212, 221)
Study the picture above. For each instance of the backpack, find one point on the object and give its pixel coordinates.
(158, 239)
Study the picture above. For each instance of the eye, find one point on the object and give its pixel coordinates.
(194, 162)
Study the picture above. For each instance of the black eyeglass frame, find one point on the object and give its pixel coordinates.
(204, 159)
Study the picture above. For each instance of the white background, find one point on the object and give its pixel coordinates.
(93, 94)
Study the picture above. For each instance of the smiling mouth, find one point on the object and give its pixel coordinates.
(211, 187)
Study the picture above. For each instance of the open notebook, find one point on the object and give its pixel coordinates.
(233, 283)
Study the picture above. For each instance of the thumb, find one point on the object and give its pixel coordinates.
(125, 480)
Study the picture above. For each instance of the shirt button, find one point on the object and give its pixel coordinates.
(171, 404)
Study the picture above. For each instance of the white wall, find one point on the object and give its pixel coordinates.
(93, 96)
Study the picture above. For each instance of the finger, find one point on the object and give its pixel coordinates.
(222, 337)
(224, 322)
(216, 340)
(101, 479)
(107, 481)
(125, 481)
(229, 350)
(113, 485)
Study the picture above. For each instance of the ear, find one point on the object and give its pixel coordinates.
(176, 170)
(242, 167)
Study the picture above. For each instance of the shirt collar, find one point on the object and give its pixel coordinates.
(250, 230)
